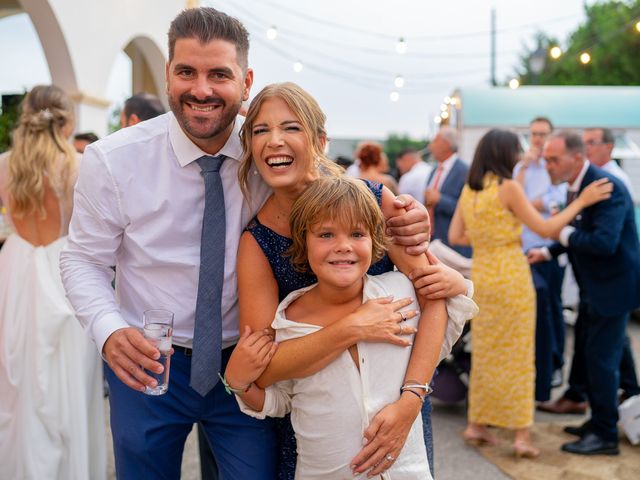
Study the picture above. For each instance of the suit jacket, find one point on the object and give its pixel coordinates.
(605, 252)
(449, 194)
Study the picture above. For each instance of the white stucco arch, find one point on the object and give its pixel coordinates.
(81, 42)
(148, 65)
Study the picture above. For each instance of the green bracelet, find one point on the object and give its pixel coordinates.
(230, 390)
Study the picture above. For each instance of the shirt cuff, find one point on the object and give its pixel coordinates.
(104, 327)
(565, 233)
(546, 253)
(470, 289)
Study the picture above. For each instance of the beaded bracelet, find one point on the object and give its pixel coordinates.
(230, 390)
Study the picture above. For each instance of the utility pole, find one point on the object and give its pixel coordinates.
(493, 47)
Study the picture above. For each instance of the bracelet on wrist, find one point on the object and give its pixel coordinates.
(231, 390)
(422, 386)
(402, 390)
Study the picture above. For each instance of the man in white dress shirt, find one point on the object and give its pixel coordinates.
(414, 173)
(139, 205)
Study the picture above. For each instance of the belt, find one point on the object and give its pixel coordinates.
(188, 352)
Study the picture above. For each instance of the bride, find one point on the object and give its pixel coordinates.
(51, 409)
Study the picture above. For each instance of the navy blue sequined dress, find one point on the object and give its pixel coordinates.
(274, 246)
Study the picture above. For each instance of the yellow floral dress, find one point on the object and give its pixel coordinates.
(501, 391)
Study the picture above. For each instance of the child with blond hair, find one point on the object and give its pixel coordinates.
(338, 231)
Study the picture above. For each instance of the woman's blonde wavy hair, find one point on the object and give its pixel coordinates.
(40, 151)
(310, 116)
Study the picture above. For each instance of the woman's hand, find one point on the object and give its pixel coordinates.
(251, 356)
(386, 435)
(380, 320)
(596, 191)
(437, 280)
(412, 228)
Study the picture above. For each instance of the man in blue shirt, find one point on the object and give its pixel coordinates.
(532, 174)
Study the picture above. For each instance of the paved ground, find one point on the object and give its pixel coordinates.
(454, 460)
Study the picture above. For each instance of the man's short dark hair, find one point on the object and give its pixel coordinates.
(144, 106)
(207, 24)
(406, 151)
(542, 119)
(607, 134)
(344, 161)
(572, 141)
(89, 137)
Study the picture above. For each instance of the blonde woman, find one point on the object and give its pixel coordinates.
(283, 137)
(51, 416)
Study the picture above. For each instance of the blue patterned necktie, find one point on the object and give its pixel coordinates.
(207, 332)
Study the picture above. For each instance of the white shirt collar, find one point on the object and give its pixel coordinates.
(187, 152)
(575, 186)
(448, 163)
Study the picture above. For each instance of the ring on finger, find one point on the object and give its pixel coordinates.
(389, 457)
(402, 316)
(401, 329)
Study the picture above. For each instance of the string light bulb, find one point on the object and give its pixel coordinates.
(272, 32)
(401, 46)
(399, 81)
(514, 83)
(555, 52)
(443, 108)
(437, 120)
(585, 58)
(297, 67)
(394, 96)
(638, 26)
(444, 115)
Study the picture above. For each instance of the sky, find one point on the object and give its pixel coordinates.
(347, 49)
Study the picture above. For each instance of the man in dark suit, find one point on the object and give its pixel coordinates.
(603, 247)
(444, 185)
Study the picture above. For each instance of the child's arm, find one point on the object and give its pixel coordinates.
(248, 360)
(438, 280)
(387, 432)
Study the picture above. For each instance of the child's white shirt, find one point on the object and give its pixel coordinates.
(331, 409)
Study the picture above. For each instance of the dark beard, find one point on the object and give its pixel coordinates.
(227, 117)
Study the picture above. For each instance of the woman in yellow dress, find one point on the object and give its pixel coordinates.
(489, 217)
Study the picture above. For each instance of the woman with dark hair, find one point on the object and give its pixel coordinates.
(489, 217)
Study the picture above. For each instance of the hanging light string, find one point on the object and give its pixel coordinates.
(373, 83)
(389, 51)
(379, 77)
(416, 38)
(584, 54)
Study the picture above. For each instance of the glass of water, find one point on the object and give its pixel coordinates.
(158, 329)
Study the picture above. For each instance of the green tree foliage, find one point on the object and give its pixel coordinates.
(9, 121)
(394, 144)
(608, 35)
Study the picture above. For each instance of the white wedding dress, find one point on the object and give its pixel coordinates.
(51, 406)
